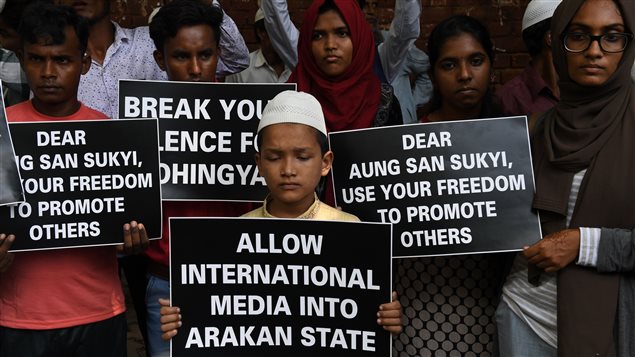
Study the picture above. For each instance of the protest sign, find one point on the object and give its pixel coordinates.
(10, 187)
(83, 181)
(279, 287)
(207, 135)
(448, 187)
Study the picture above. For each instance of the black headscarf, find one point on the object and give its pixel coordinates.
(593, 128)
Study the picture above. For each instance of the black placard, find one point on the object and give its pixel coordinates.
(449, 187)
(207, 133)
(83, 180)
(279, 287)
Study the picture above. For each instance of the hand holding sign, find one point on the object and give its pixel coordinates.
(6, 258)
(135, 238)
(389, 315)
(283, 287)
(170, 319)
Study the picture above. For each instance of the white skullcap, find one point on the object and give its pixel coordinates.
(259, 15)
(293, 107)
(153, 13)
(538, 10)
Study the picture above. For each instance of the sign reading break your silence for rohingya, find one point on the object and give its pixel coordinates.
(449, 188)
(83, 181)
(279, 287)
(207, 135)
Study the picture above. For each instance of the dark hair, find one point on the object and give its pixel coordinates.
(319, 136)
(455, 26)
(451, 27)
(44, 21)
(534, 35)
(12, 12)
(180, 13)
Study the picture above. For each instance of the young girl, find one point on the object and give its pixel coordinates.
(453, 298)
(583, 157)
(461, 57)
(336, 51)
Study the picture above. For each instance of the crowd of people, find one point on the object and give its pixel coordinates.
(569, 294)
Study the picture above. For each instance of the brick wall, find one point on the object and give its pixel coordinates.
(502, 17)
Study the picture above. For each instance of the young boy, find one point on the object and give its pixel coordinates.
(63, 302)
(294, 155)
(186, 34)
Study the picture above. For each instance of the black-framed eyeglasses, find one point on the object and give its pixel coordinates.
(611, 42)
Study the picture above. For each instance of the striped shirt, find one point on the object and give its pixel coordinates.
(537, 305)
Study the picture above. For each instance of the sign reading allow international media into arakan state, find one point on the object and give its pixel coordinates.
(83, 181)
(207, 135)
(448, 187)
(279, 287)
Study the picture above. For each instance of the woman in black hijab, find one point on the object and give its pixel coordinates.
(584, 161)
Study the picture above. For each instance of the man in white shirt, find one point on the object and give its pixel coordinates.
(265, 66)
(126, 53)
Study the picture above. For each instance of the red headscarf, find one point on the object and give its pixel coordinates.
(349, 101)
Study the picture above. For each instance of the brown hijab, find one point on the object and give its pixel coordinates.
(592, 128)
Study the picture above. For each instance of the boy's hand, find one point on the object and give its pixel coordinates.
(135, 238)
(389, 315)
(170, 319)
(6, 258)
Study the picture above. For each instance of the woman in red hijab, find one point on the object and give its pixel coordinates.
(336, 51)
(336, 54)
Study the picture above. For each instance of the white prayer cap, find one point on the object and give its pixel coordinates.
(153, 13)
(538, 10)
(293, 107)
(259, 15)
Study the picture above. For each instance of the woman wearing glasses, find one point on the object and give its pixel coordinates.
(573, 293)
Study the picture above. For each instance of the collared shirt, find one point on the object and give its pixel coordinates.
(318, 210)
(259, 71)
(130, 56)
(526, 94)
(15, 88)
